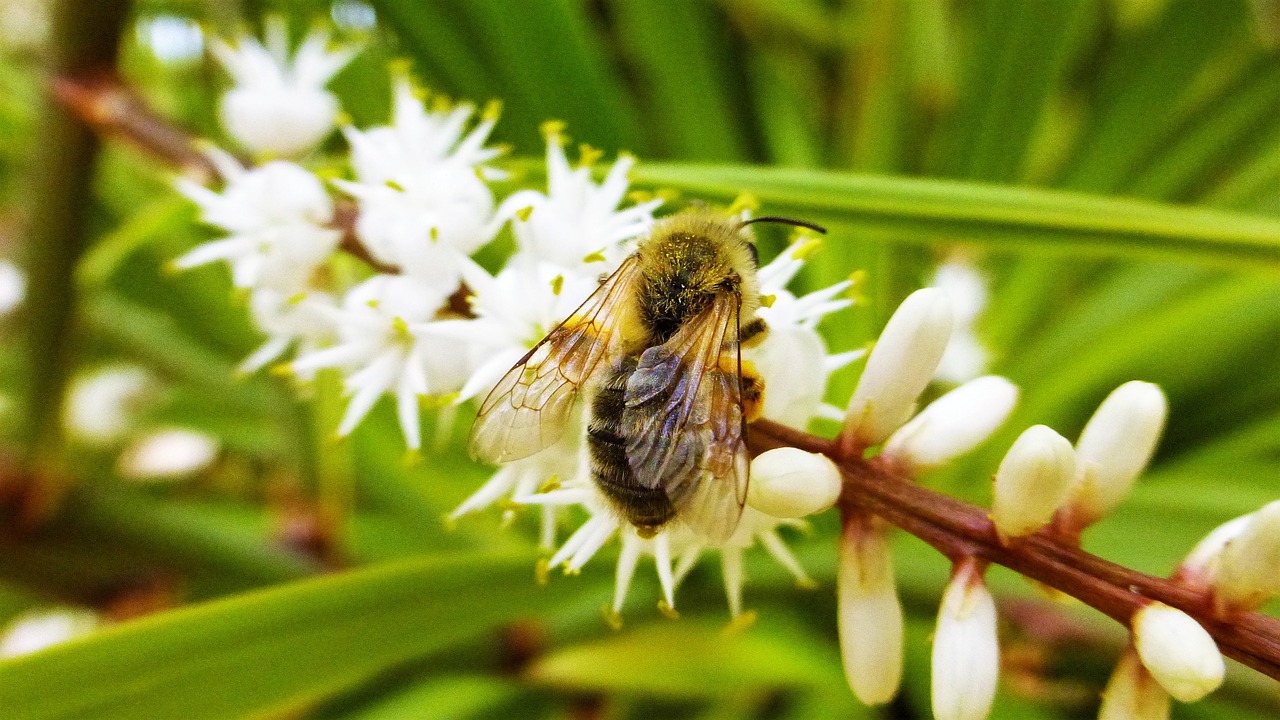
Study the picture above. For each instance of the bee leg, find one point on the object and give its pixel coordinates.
(753, 333)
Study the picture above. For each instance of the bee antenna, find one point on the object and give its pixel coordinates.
(786, 221)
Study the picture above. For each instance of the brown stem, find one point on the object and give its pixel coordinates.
(958, 529)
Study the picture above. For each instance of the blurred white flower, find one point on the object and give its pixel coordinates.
(577, 224)
(37, 630)
(13, 287)
(965, 357)
(966, 654)
(277, 217)
(167, 454)
(386, 344)
(869, 614)
(278, 105)
(421, 185)
(304, 319)
(103, 405)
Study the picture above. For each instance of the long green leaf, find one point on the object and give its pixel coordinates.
(261, 650)
(997, 216)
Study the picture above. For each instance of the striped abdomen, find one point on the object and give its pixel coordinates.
(648, 509)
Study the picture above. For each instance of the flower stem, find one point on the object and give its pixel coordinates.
(958, 529)
(85, 41)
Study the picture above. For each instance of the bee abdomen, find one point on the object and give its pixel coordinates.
(648, 509)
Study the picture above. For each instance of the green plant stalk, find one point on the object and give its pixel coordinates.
(85, 40)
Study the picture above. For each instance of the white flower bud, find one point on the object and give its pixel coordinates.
(38, 630)
(1202, 561)
(791, 483)
(1032, 482)
(1132, 694)
(1115, 446)
(1177, 651)
(1248, 570)
(167, 454)
(869, 615)
(966, 655)
(900, 367)
(953, 424)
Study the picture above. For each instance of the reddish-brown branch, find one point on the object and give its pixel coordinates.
(958, 529)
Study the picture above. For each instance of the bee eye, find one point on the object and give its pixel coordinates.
(755, 254)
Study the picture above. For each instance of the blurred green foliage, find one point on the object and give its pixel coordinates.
(1130, 104)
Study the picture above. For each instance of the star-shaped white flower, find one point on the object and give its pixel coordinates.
(421, 184)
(385, 345)
(277, 218)
(278, 105)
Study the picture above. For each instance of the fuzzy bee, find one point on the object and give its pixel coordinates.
(658, 348)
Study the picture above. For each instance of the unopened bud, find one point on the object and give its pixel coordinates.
(1032, 482)
(870, 614)
(1115, 447)
(953, 424)
(899, 367)
(791, 483)
(966, 655)
(1248, 571)
(1177, 651)
(1132, 694)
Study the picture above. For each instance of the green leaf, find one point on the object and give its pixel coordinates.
(996, 216)
(261, 650)
(689, 659)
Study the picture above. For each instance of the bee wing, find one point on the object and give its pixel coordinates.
(530, 406)
(686, 432)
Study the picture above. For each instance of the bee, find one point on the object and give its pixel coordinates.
(658, 348)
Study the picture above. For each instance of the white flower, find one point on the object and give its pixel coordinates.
(869, 613)
(1114, 448)
(167, 454)
(966, 654)
(965, 357)
(791, 483)
(1179, 653)
(1032, 482)
(792, 359)
(1132, 694)
(13, 287)
(1242, 560)
(277, 217)
(304, 319)
(38, 630)
(424, 203)
(102, 406)
(277, 105)
(576, 224)
(952, 425)
(385, 344)
(899, 368)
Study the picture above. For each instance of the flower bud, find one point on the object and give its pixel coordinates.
(791, 483)
(899, 367)
(1115, 446)
(1132, 694)
(869, 614)
(1248, 570)
(966, 655)
(953, 424)
(1032, 482)
(1177, 651)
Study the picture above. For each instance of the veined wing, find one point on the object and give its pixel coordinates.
(686, 432)
(530, 406)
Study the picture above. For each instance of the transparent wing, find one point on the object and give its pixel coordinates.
(530, 406)
(685, 427)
